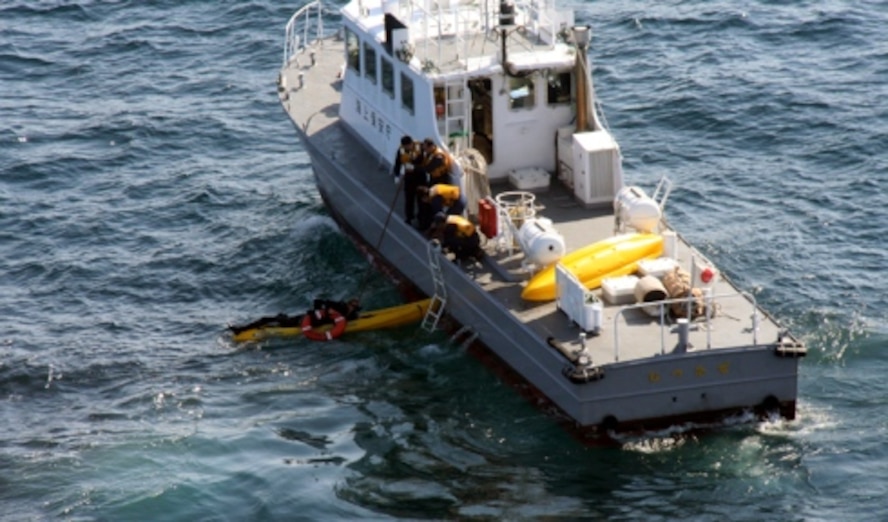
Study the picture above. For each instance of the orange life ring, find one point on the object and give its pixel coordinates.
(339, 324)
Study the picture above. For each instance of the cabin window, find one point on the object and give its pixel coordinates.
(370, 62)
(353, 50)
(521, 93)
(388, 77)
(407, 93)
(559, 87)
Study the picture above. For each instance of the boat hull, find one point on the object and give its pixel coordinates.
(633, 395)
(642, 379)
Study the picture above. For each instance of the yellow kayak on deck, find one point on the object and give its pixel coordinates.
(372, 320)
(612, 257)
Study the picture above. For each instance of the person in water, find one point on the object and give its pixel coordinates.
(349, 309)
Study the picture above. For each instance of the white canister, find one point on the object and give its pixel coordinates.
(670, 244)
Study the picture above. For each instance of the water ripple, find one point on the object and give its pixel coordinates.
(151, 191)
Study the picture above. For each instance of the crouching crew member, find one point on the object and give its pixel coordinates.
(458, 236)
(443, 198)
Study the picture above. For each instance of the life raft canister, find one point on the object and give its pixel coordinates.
(339, 324)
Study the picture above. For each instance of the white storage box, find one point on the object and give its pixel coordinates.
(619, 290)
(657, 267)
(531, 180)
(580, 305)
(597, 168)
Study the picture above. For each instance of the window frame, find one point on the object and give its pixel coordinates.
(408, 92)
(370, 64)
(570, 88)
(353, 50)
(519, 104)
(387, 71)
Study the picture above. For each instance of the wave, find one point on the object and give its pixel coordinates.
(30, 11)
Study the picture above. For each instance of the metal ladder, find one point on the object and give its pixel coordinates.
(439, 299)
(457, 126)
(467, 335)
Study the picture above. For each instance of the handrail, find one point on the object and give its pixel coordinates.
(299, 29)
(708, 298)
(431, 21)
(307, 24)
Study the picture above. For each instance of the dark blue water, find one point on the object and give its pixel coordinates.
(152, 191)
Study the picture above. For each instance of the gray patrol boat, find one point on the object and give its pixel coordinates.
(585, 294)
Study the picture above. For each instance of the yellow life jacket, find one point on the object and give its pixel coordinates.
(449, 193)
(410, 155)
(464, 227)
(441, 167)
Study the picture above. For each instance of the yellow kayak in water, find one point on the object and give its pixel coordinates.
(372, 320)
(612, 257)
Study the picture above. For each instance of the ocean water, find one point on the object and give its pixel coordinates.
(153, 191)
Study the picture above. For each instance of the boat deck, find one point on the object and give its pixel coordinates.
(627, 334)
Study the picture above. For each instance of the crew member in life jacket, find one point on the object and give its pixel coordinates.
(457, 235)
(441, 198)
(437, 163)
(408, 163)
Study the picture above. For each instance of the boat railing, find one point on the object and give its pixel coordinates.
(683, 326)
(304, 27)
(545, 18)
(444, 30)
(513, 209)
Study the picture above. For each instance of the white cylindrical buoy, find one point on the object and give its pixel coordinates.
(707, 302)
(670, 244)
(636, 210)
(593, 315)
(683, 327)
(542, 244)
